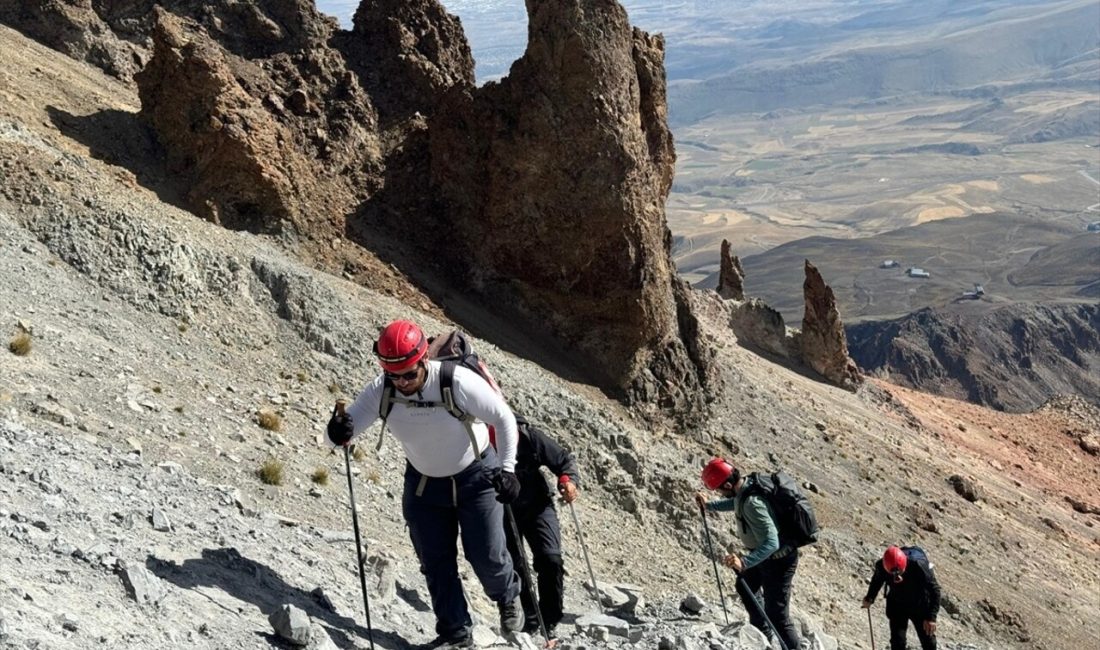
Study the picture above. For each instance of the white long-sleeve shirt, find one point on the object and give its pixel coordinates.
(435, 442)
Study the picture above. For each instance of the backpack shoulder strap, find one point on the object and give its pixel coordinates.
(446, 391)
(446, 388)
(385, 405)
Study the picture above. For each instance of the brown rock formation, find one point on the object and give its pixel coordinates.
(824, 347)
(116, 35)
(216, 136)
(557, 176)
(731, 277)
(407, 53)
(247, 135)
(75, 28)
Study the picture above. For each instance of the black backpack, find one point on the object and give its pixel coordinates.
(794, 514)
(453, 349)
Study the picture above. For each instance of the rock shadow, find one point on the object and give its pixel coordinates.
(404, 224)
(120, 138)
(250, 581)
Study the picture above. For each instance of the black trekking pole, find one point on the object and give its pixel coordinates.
(355, 524)
(872, 627)
(710, 551)
(584, 549)
(526, 569)
(750, 600)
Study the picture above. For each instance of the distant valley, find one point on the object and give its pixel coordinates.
(801, 121)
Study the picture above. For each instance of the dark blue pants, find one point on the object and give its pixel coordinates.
(445, 508)
(538, 524)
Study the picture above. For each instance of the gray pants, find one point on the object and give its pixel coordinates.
(437, 511)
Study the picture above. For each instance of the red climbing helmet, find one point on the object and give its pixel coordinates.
(717, 472)
(400, 346)
(894, 560)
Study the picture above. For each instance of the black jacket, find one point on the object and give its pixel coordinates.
(536, 450)
(918, 593)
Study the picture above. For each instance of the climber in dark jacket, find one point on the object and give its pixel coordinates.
(912, 594)
(538, 521)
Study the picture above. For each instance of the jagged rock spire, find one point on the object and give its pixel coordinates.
(731, 276)
(824, 347)
(559, 173)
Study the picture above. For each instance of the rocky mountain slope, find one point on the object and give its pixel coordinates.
(130, 440)
(271, 119)
(1011, 357)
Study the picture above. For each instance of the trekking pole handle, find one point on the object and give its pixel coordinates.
(341, 407)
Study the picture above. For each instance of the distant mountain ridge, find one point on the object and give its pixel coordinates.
(1011, 358)
(1006, 49)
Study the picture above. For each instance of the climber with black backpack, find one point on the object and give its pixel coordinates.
(774, 519)
(912, 594)
(455, 480)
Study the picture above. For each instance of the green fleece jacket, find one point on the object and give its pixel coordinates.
(756, 523)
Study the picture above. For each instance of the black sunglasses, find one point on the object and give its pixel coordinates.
(405, 376)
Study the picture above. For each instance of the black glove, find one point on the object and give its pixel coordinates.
(507, 486)
(340, 429)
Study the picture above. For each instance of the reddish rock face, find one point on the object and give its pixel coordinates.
(557, 176)
(824, 346)
(731, 277)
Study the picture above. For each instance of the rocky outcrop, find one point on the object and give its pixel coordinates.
(217, 137)
(761, 327)
(75, 28)
(1012, 357)
(116, 35)
(557, 177)
(246, 136)
(824, 347)
(731, 276)
(407, 53)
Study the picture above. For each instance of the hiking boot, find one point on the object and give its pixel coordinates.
(460, 639)
(511, 616)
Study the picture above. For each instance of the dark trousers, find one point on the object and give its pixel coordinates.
(538, 525)
(899, 625)
(437, 511)
(774, 577)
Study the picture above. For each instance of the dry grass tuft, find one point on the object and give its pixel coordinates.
(358, 453)
(374, 477)
(334, 389)
(302, 376)
(271, 472)
(269, 420)
(320, 476)
(20, 344)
